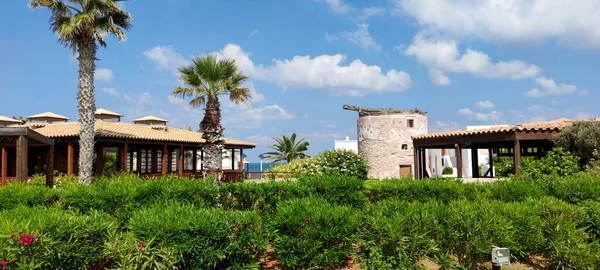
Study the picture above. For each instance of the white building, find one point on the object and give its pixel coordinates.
(438, 159)
(347, 144)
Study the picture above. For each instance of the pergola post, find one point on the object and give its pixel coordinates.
(491, 162)
(458, 150)
(180, 167)
(138, 160)
(415, 167)
(70, 159)
(154, 161)
(201, 159)
(164, 160)
(241, 159)
(517, 157)
(99, 159)
(124, 157)
(232, 159)
(475, 162)
(50, 166)
(424, 163)
(22, 158)
(4, 170)
(194, 160)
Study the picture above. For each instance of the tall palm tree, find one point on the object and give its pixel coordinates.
(81, 25)
(287, 149)
(208, 77)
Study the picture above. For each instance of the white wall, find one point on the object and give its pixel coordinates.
(347, 144)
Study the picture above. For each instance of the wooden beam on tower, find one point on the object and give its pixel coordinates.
(164, 160)
(70, 159)
(517, 157)
(4, 167)
(458, 150)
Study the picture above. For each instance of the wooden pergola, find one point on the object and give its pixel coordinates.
(18, 145)
(530, 139)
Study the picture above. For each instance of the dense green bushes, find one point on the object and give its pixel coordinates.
(314, 222)
(312, 233)
(330, 162)
(205, 238)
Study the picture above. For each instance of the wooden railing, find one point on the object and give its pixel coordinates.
(267, 175)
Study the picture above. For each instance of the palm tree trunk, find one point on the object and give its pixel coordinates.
(213, 135)
(86, 108)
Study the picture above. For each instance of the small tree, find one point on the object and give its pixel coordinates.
(558, 162)
(581, 139)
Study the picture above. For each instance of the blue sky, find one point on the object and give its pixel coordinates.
(465, 62)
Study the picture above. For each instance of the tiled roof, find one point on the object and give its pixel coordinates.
(150, 118)
(533, 126)
(48, 115)
(131, 131)
(9, 120)
(106, 112)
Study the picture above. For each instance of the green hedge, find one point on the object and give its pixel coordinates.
(205, 238)
(63, 238)
(313, 222)
(312, 233)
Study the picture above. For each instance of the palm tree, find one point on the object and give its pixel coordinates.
(81, 25)
(208, 77)
(287, 149)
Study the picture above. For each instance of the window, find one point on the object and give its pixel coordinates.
(159, 161)
(405, 147)
(410, 123)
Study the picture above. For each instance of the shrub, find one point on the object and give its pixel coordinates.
(204, 238)
(62, 237)
(311, 233)
(582, 139)
(335, 189)
(125, 251)
(262, 197)
(16, 194)
(338, 161)
(557, 162)
(397, 234)
(442, 189)
(447, 171)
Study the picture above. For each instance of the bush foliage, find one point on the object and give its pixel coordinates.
(317, 221)
(339, 161)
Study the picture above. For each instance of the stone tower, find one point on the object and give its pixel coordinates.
(384, 139)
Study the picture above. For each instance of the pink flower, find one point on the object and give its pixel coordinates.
(4, 261)
(141, 246)
(27, 240)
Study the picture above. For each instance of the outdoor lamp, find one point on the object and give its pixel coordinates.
(500, 257)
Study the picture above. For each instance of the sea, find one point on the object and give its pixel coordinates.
(255, 166)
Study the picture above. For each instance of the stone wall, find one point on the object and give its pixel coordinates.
(385, 141)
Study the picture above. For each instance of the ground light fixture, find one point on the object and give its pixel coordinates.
(500, 257)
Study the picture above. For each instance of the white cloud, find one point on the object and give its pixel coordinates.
(465, 112)
(111, 91)
(493, 116)
(321, 136)
(165, 58)
(360, 37)
(443, 56)
(331, 126)
(439, 126)
(254, 32)
(485, 105)
(547, 87)
(176, 100)
(368, 12)
(260, 139)
(584, 92)
(438, 77)
(103, 74)
(324, 72)
(256, 96)
(338, 6)
(249, 117)
(582, 116)
(529, 22)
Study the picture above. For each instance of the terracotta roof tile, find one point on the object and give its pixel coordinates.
(48, 115)
(106, 112)
(9, 120)
(131, 131)
(532, 126)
